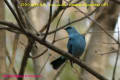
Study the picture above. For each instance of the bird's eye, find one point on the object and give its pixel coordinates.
(68, 28)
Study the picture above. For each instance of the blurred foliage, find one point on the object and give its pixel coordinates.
(67, 73)
(29, 67)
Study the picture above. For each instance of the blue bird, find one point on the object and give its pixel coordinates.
(76, 45)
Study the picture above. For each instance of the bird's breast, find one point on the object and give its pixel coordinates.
(78, 46)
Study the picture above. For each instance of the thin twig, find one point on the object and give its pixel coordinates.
(114, 51)
(44, 64)
(14, 13)
(49, 21)
(59, 72)
(74, 69)
(109, 43)
(11, 25)
(61, 39)
(9, 29)
(62, 27)
(57, 25)
(11, 66)
(7, 53)
(19, 15)
(39, 55)
(117, 57)
(99, 25)
(56, 13)
(103, 32)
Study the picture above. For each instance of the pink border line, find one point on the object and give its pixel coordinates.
(19, 76)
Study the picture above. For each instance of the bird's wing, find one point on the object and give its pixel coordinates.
(69, 46)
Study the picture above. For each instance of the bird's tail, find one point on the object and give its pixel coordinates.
(58, 62)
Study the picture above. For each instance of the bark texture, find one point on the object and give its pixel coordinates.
(2, 42)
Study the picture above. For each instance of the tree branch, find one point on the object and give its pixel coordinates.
(117, 57)
(25, 58)
(49, 21)
(66, 54)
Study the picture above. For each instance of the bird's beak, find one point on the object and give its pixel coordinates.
(65, 28)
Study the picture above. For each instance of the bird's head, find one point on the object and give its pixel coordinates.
(71, 29)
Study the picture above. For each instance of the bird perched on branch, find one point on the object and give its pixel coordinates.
(76, 45)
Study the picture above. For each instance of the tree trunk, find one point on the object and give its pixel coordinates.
(38, 16)
(108, 19)
(2, 42)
